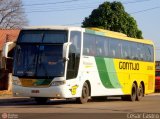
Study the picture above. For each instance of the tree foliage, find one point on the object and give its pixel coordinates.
(12, 14)
(112, 16)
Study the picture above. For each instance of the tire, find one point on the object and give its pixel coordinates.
(133, 95)
(40, 100)
(85, 94)
(140, 93)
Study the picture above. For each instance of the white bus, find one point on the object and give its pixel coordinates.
(74, 62)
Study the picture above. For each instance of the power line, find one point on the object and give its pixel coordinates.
(84, 7)
(68, 1)
(80, 7)
(39, 4)
(133, 12)
(92, 4)
(67, 9)
(146, 10)
(137, 1)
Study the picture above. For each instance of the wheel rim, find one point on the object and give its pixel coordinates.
(140, 93)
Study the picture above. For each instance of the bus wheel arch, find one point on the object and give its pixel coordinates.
(89, 87)
(86, 91)
(143, 88)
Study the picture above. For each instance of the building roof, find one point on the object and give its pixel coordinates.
(8, 35)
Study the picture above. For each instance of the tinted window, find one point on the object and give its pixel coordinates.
(89, 47)
(101, 46)
(38, 60)
(74, 55)
(54, 37)
(134, 51)
(142, 52)
(42, 36)
(126, 50)
(149, 53)
(31, 37)
(115, 48)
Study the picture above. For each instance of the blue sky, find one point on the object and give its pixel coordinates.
(73, 12)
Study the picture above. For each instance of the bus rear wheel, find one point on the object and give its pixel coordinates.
(132, 96)
(140, 93)
(85, 94)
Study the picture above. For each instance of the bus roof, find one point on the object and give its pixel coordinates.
(91, 30)
(114, 34)
(52, 28)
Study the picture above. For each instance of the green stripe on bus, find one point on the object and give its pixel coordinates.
(102, 70)
(112, 72)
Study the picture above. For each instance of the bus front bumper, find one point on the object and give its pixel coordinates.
(50, 92)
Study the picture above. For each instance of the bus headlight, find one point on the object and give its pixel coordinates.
(58, 83)
(16, 82)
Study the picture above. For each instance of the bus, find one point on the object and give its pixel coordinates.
(81, 63)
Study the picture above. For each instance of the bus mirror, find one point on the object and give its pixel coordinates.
(7, 48)
(66, 50)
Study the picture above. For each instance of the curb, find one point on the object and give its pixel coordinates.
(154, 94)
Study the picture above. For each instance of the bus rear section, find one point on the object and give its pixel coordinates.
(118, 65)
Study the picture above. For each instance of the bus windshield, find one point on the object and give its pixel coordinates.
(39, 54)
(38, 61)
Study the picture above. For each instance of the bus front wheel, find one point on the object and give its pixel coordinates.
(85, 94)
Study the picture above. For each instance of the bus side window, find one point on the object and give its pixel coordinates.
(149, 53)
(113, 53)
(86, 51)
(100, 46)
(134, 52)
(115, 48)
(106, 47)
(74, 55)
(89, 44)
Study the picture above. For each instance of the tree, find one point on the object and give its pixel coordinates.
(12, 14)
(112, 16)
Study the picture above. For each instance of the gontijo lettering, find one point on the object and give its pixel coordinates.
(128, 66)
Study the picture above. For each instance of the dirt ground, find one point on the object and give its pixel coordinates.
(5, 92)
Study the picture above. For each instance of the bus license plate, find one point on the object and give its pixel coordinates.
(35, 91)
